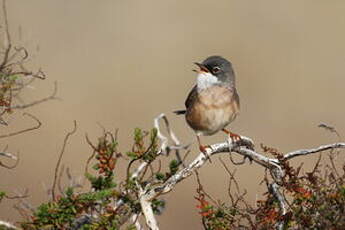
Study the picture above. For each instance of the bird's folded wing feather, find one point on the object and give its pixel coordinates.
(191, 97)
(236, 98)
(192, 94)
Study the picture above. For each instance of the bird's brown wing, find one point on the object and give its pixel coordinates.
(194, 93)
(236, 98)
(191, 97)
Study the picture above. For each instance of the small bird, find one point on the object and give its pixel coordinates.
(213, 103)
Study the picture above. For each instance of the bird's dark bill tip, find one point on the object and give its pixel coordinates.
(179, 112)
(202, 67)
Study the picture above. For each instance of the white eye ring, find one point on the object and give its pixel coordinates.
(216, 69)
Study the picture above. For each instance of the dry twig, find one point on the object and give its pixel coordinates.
(24, 130)
(60, 158)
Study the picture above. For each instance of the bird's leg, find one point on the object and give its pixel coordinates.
(202, 148)
(234, 137)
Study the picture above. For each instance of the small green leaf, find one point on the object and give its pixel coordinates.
(173, 166)
(2, 195)
(132, 155)
(160, 176)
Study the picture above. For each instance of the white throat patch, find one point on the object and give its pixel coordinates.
(206, 80)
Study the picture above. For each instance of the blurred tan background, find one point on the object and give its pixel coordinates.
(121, 63)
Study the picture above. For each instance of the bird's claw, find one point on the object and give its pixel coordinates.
(235, 137)
(203, 149)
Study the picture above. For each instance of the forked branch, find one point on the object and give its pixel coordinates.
(242, 148)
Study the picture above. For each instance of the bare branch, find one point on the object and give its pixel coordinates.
(243, 148)
(231, 175)
(51, 97)
(25, 130)
(19, 50)
(74, 182)
(164, 140)
(147, 209)
(7, 225)
(60, 158)
(8, 38)
(59, 178)
(39, 74)
(200, 189)
(9, 155)
(274, 189)
(19, 196)
(164, 148)
(303, 152)
(135, 220)
(10, 167)
(92, 155)
(329, 128)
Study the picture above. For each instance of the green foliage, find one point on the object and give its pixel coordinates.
(65, 209)
(318, 207)
(10, 78)
(2, 227)
(61, 213)
(138, 135)
(91, 197)
(160, 176)
(316, 200)
(58, 213)
(139, 149)
(131, 227)
(2, 195)
(173, 166)
(158, 206)
(104, 223)
(151, 152)
(132, 155)
(100, 182)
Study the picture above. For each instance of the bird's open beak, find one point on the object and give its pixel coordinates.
(202, 68)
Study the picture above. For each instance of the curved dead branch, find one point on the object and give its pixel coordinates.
(60, 158)
(39, 123)
(51, 97)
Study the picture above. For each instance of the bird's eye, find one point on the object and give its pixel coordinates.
(215, 69)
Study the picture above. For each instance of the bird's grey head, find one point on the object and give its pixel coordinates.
(215, 70)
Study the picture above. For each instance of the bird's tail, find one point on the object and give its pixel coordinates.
(180, 112)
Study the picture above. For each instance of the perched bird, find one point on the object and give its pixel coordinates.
(213, 103)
